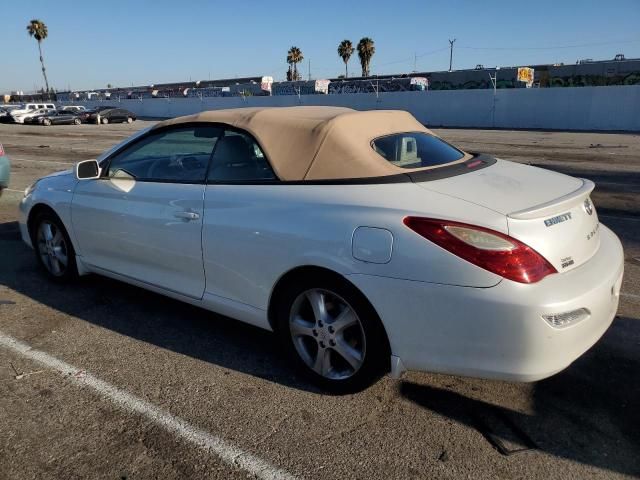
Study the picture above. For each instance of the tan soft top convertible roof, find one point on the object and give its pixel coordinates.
(316, 143)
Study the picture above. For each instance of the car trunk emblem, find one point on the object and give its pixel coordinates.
(588, 206)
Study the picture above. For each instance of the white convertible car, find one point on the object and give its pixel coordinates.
(363, 240)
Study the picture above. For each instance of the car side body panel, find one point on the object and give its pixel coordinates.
(253, 234)
(142, 230)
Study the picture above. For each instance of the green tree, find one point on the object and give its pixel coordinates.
(345, 50)
(38, 30)
(294, 57)
(366, 49)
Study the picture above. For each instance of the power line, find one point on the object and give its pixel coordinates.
(431, 52)
(409, 59)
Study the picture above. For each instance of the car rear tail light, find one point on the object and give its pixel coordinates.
(485, 248)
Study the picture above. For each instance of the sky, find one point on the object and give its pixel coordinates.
(124, 42)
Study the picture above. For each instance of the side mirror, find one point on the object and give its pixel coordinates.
(87, 170)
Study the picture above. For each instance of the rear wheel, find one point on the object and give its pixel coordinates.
(105, 120)
(129, 120)
(53, 248)
(76, 121)
(46, 122)
(332, 334)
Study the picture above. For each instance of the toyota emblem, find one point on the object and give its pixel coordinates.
(588, 206)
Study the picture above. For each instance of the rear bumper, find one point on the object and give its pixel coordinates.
(499, 332)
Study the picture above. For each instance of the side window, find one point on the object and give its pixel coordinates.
(238, 158)
(177, 155)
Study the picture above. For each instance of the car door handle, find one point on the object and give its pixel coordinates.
(187, 215)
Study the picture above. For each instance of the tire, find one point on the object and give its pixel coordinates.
(46, 122)
(129, 120)
(346, 352)
(56, 256)
(77, 121)
(104, 121)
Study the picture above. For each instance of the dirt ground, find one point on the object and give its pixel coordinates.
(229, 380)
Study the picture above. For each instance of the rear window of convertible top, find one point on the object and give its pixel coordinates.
(415, 150)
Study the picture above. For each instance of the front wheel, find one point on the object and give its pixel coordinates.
(129, 120)
(105, 121)
(46, 122)
(76, 121)
(53, 248)
(332, 334)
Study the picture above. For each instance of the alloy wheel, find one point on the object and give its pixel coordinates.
(52, 248)
(327, 334)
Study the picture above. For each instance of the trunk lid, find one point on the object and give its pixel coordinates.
(550, 212)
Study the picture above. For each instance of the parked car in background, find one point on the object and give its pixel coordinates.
(5, 170)
(90, 116)
(112, 115)
(75, 108)
(366, 242)
(21, 117)
(59, 117)
(7, 109)
(5, 113)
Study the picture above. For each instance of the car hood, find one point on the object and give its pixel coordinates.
(59, 174)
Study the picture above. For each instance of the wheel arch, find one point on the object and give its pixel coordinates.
(302, 272)
(36, 210)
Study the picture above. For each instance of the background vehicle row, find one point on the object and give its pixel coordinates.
(48, 114)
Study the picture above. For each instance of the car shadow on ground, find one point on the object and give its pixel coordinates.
(589, 413)
(148, 317)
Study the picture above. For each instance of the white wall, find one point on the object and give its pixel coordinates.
(580, 108)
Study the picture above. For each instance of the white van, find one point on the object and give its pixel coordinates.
(27, 107)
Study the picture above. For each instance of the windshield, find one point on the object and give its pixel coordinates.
(415, 150)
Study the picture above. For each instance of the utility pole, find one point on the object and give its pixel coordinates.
(451, 42)
(309, 77)
(415, 62)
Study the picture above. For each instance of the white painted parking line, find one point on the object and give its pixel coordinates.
(18, 159)
(13, 190)
(227, 452)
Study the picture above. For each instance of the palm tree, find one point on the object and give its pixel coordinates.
(366, 49)
(345, 50)
(38, 30)
(294, 57)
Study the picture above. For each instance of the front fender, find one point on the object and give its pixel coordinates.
(56, 193)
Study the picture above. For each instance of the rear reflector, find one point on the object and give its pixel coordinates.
(485, 248)
(563, 320)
